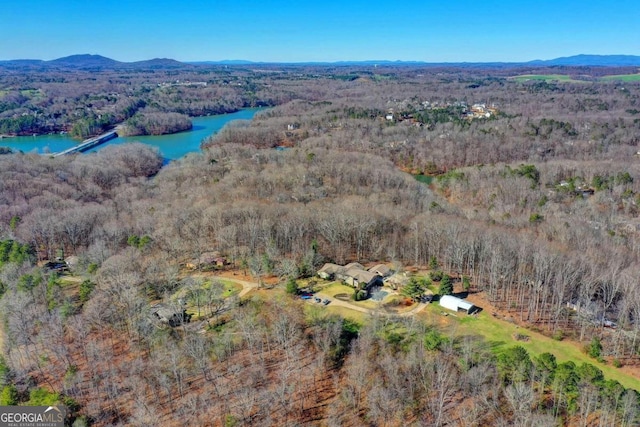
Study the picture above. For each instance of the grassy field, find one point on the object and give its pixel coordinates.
(230, 288)
(567, 79)
(622, 78)
(546, 78)
(356, 316)
(500, 335)
(336, 288)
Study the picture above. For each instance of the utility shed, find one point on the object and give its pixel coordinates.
(457, 304)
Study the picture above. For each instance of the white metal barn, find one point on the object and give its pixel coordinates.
(457, 304)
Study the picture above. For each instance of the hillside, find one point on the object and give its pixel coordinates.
(181, 304)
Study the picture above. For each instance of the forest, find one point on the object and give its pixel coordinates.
(526, 189)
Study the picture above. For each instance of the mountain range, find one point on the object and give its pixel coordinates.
(87, 61)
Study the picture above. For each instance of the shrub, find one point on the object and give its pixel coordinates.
(9, 396)
(594, 349)
(292, 287)
(446, 285)
(41, 397)
(535, 218)
(436, 276)
(466, 283)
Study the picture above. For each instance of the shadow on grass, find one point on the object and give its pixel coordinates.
(495, 344)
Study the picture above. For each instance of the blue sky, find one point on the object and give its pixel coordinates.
(330, 30)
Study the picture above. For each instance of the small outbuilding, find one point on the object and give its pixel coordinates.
(457, 304)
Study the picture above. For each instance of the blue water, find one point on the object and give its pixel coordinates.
(379, 296)
(171, 146)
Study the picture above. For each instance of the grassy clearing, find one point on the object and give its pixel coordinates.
(70, 280)
(337, 288)
(622, 78)
(545, 77)
(425, 179)
(230, 287)
(314, 313)
(356, 316)
(500, 335)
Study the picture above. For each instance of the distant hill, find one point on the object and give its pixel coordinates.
(87, 61)
(156, 63)
(93, 62)
(592, 61)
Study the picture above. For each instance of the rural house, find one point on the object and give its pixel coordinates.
(354, 274)
(170, 315)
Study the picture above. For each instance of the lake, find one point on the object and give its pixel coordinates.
(171, 146)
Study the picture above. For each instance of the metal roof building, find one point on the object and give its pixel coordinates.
(457, 304)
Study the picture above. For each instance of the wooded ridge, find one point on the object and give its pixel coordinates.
(535, 204)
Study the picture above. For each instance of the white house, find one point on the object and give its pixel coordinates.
(457, 304)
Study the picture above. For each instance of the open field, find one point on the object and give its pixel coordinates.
(500, 334)
(563, 78)
(622, 78)
(230, 288)
(320, 310)
(546, 78)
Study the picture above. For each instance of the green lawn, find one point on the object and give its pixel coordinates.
(622, 78)
(230, 287)
(500, 334)
(318, 310)
(336, 288)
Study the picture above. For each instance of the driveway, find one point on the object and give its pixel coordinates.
(249, 286)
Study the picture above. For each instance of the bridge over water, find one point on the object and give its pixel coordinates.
(88, 144)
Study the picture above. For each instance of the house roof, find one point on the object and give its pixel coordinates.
(166, 312)
(455, 303)
(360, 275)
(209, 257)
(398, 279)
(354, 265)
(331, 268)
(380, 269)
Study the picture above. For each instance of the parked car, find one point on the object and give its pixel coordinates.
(305, 296)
